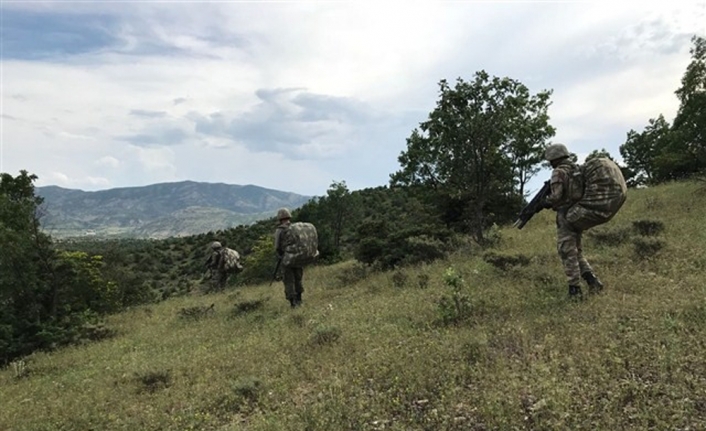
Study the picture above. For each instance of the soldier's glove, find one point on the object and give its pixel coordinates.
(546, 204)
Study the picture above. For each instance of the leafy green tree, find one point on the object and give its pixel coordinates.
(46, 297)
(599, 153)
(641, 150)
(530, 132)
(663, 152)
(690, 122)
(466, 149)
(338, 199)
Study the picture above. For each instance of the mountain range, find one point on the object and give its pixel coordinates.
(158, 210)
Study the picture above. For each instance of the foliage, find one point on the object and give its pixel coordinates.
(482, 138)
(47, 297)
(259, 265)
(455, 306)
(663, 152)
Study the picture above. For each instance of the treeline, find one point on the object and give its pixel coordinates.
(664, 151)
(463, 173)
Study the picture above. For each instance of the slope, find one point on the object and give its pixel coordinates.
(483, 340)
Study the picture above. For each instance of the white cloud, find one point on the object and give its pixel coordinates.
(369, 69)
(64, 180)
(108, 162)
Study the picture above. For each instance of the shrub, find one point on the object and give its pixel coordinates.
(352, 274)
(648, 227)
(399, 279)
(423, 280)
(152, 381)
(646, 248)
(609, 237)
(325, 335)
(197, 312)
(505, 261)
(242, 397)
(244, 307)
(456, 305)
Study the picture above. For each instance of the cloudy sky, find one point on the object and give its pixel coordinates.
(293, 95)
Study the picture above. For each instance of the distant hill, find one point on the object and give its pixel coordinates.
(159, 210)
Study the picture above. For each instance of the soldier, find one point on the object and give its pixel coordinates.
(215, 262)
(292, 275)
(566, 190)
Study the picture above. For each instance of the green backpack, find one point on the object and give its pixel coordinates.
(604, 193)
(301, 245)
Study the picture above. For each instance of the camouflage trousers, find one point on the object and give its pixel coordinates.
(292, 278)
(219, 279)
(568, 242)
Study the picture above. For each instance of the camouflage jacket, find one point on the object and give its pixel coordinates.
(214, 261)
(566, 185)
(282, 240)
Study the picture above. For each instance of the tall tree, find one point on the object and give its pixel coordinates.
(531, 130)
(464, 151)
(338, 200)
(641, 150)
(44, 296)
(690, 121)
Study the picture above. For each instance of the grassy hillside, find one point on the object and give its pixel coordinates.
(394, 351)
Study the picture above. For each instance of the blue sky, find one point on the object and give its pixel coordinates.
(295, 95)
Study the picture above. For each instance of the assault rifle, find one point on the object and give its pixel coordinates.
(274, 274)
(533, 207)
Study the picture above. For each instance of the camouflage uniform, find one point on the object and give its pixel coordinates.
(568, 237)
(215, 262)
(567, 188)
(292, 275)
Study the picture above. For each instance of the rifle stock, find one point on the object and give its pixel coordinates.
(533, 207)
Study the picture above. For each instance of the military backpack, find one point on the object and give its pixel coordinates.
(300, 245)
(231, 260)
(604, 193)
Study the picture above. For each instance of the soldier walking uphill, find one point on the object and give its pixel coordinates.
(215, 262)
(292, 275)
(583, 197)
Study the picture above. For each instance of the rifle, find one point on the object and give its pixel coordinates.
(533, 207)
(274, 274)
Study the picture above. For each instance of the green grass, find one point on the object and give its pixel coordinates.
(376, 354)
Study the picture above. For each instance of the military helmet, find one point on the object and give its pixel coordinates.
(555, 151)
(215, 245)
(283, 213)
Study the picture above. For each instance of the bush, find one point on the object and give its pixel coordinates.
(152, 381)
(196, 312)
(646, 248)
(505, 261)
(352, 274)
(455, 306)
(245, 307)
(325, 335)
(242, 398)
(648, 227)
(610, 237)
(399, 279)
(423, 280)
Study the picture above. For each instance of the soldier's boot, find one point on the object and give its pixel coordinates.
(594, 284)
(298, 299)
(293, 302)
(575, 292)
